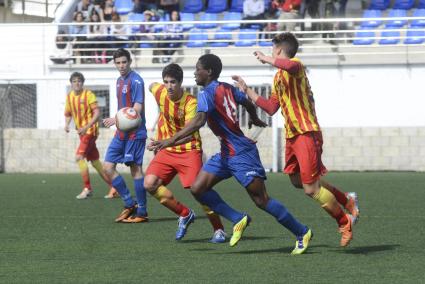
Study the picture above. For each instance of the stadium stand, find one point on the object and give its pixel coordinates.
(207, 17)
(192, 6)
(189, 17)
(216, 6)
(197, 38)
(371, 20)
(389, 36)
(415, 35)
(247, 37)
(232, 16)
(222, 38)
(419, 13)
(397, 13)
(364, 36)
(379, 4)
(236, 6)
(403, 4)
(123, 7)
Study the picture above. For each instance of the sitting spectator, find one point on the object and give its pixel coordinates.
(78, 34)
(289, 10)
(86, 8)
(63, 52)
(168, 6)
(97, 35)
(173, 38)
(253, 10)
(108, 10)
(120, 34)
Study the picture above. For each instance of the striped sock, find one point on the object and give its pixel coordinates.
(84, 171)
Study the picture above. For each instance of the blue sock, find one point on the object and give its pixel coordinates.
(119, 184)
(282, 215)
(214, 201)
(140, 197)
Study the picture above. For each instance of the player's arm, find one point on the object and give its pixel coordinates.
(93, 120)
(291, 66)
(253, 117)
(270, 105)
(68, 119)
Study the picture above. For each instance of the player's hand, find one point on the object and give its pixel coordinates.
(260, 56)
(108, 122)
(157, 145)
(256, 121)
(240, 83)
(82, 130)
(66, 128)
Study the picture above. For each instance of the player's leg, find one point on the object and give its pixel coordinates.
(80, 158)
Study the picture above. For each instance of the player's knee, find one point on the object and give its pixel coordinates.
(297, 184)
(109, 171)
(79, 158)
(150, 185)
(260, 202)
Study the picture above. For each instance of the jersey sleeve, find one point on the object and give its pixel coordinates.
(190, 110)
(203, 105)
(91, 98)
(239, 96)
(138, 93)
(156, 89)
(67, 111)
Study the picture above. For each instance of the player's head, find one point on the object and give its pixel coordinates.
(77, 81)
(208, 68)
(172, 76)
(122, 61)
(285, 44)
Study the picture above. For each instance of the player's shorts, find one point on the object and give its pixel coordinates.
(303, 154)
(165, 165)
(126, 151)
(87, 147)
(244, 166)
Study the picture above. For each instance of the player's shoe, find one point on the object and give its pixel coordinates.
(346, 232)
(85, 194)
(125, 213)
(113, 193)
(302, 242)
(183, 224)
(352, 206)
(238, 230)
(136, 219)
(218, 237)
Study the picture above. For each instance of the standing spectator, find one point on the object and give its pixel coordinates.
(97, 33)
(120, 34)
(78, 34)
(312, 8)
(86, 8)
(173, 38)
(108, 10)
(289, 10)
(253, 10)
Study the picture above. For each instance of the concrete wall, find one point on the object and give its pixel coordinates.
(345, 149)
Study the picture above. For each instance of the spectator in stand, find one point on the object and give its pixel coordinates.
(98, 7)
(119, 33)
(108, 10)
(86, 8)
(63, 52)
(253, 10)
(173, 38)
(148, 31)
(169, 6)
(78, 34)
(312, 8)
(289, 10)
(97, 34)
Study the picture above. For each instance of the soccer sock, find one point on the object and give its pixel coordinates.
(166, 198)
(339, 195)
(99, 168)
(214, 201)
(122, 189)
(214, 218)
(282, 215)
(328, 202)
(140, 197)
(84, 170)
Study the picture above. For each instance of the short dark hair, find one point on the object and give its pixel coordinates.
(173, 70)
(213, 62)
(77, 75)
(122, 52)
(289, 43)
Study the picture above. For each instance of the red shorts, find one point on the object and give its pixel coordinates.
(87, 147)
(166, 165)
(303, 154)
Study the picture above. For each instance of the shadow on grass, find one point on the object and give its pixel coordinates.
(368, 249)
(283, 250)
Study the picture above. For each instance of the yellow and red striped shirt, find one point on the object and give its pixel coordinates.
(80, 108)
(296, 101)
(173, 116)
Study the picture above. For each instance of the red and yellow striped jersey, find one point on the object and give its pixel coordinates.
(81, 109)
(173, 116)
(296, 101)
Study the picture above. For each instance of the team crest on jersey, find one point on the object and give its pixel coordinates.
(180, 113)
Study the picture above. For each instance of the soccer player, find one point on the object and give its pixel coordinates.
(81, 106)
(217, 105)
(177, 108)
(129, 147)
(291, 92)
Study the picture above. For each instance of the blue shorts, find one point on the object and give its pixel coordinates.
(244, 167)
(126, 151)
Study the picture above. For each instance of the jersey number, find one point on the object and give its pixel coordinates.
(230, 107)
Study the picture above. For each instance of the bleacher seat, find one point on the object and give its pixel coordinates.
(396, 13)
(192, 6)
(415, 35)
(187, 17)
(403, 4)
(135, 17)
(389, 36)
(368, 15)
(237, 6)
(207, 17)
(232, 16)
(364, 36)
(216, 6)
(224, 37)
(418, 22)
(123, 7)
(265, 42)
(246, 37)
(379, 4)
(421, 4)
(197, 38)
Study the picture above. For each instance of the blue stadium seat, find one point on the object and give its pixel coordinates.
(187, 17)
(396, 13)
(364, 36)
(224, 37)
(207, 17)
(389, 37)
(247, 37)
(237, 6)
(135, 17)
(370, 14)
(403, 4)
(379, 4)
(415, 35)
(232, 16)
(266, 42)
(197, 38)
(123, 7)
(192, 6)
(421, 4)
(418, 13)
(216, 6)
